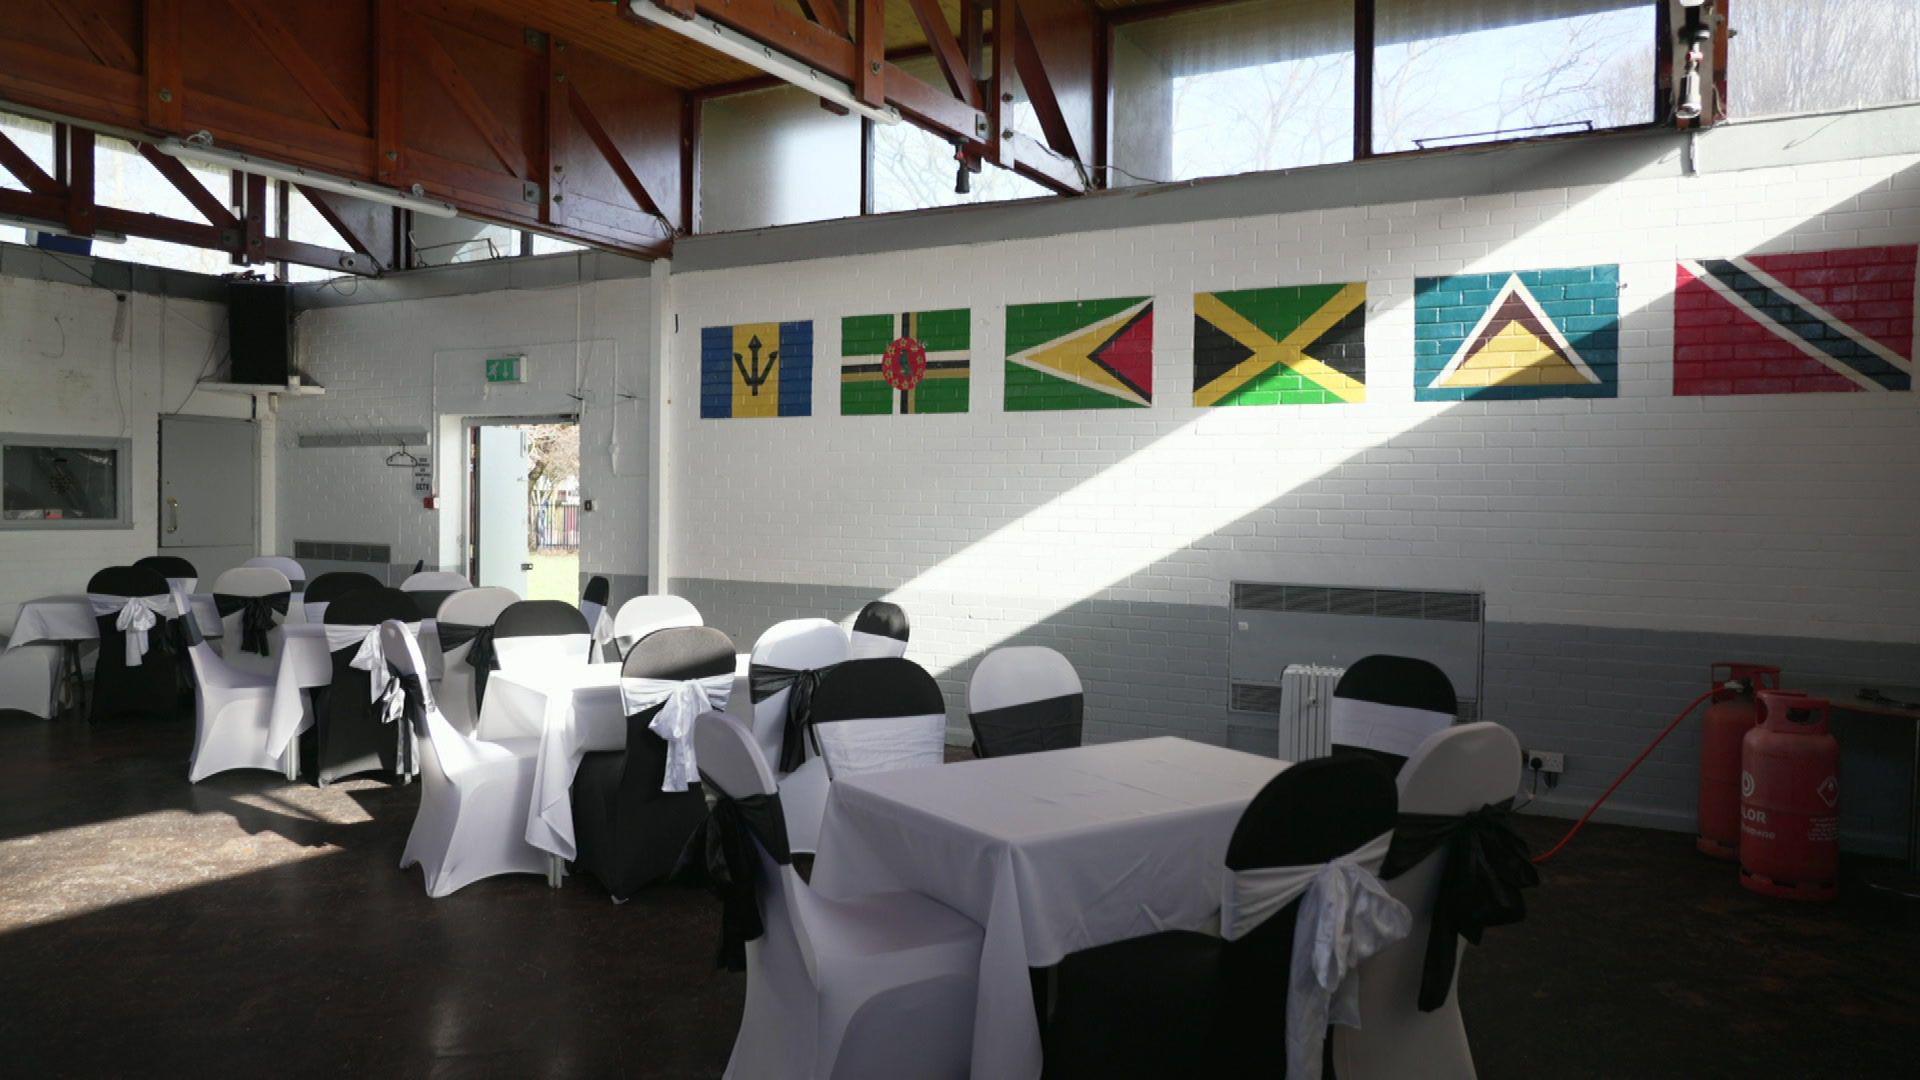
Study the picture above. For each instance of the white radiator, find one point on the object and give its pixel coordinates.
(1306, 711)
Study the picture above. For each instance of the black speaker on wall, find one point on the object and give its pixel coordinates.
(260, 331)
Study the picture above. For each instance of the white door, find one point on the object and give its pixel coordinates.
(501, 469)
(209, 491)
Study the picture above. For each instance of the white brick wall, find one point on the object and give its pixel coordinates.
(63, 372)
(1762, 515)
(403, 365)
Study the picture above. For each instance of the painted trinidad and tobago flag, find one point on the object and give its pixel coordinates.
(1801, 323)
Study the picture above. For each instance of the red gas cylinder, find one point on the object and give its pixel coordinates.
(1790, 800)
(1735, 710)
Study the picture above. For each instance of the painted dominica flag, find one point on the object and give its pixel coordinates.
(1084, 354)
(915, 362)
(1303, 345)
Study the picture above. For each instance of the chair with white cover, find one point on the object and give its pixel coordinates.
(1457, 771)
(465, 623)
(27, 676)
(429, 587)
(879, 630)
(332, 585)
(783, 671)
(872, 715)
(1385, 705)
(1023, 699)
(473, 793)
(135, 674)
(642, 615)
(351, 733)
(1299, 903)
(231, 712)
(877, 986)
(296, 574)
(253, 604)
(541, 634)
(634, 808)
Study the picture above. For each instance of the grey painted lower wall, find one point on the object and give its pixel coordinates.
(1598, 695)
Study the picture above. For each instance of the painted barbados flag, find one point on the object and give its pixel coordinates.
(1082, 354)
(1301, 345)
(1800, 323)
(756, 369)
(913, 362)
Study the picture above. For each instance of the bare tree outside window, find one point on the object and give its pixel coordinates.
(1791, 56)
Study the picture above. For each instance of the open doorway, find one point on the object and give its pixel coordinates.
(524, 502)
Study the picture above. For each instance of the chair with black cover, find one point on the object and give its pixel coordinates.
(350, 735)
(1024, 699)
(628, 831)
(1410, 1016)
(182, 579)
(136, 674)
(1184, 1003)
(540, 634)
(333, 585)
(870, 715)
(253, 604)
(429, 588)
(1384, 706)
(879, 630)
(465, 623)
(593, 607)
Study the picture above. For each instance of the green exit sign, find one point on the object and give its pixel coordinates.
(506, 369)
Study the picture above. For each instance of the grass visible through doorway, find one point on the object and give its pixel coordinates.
(555, 576)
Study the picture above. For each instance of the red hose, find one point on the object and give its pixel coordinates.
(1657, 740)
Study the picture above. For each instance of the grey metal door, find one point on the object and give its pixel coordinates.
(209, 489)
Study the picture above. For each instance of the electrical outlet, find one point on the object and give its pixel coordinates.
(1551, 762)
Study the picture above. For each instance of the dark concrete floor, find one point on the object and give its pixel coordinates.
(245, 926)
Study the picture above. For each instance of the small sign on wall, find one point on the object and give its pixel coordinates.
(423, 478)
(506, 369)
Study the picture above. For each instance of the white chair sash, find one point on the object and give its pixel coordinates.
(1346, 915)
(864, 646)
(182, 590)
(371, 657)
(880, 744)
(1390, 729)
(599, 623)
(681, 702)
(136, 616)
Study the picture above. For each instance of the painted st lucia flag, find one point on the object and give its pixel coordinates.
(1303, 345)
(1804, 322)
(872, 383)
(1508, 336)
(1083, 354)
(756, 369)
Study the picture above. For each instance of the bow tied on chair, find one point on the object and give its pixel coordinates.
(480, 657)
(1345, 916)
(681, 702)
(721, 856)
(256, 616)
(133, 617)
(1487, 864)
(405, 703)
(766, 680)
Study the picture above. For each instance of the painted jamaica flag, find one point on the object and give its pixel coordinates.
(1083, 354)
(913, 362)
(1301, 345)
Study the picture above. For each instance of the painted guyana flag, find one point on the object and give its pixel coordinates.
(1303, 345)
(914, 362)
(1084, 354)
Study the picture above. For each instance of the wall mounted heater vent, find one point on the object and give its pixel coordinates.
(1277, 626)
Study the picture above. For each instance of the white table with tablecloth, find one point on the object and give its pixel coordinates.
(572, 710)
(1050, 853)
(70, 618)
(306, 663)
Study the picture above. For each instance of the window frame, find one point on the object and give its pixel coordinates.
(123, 481)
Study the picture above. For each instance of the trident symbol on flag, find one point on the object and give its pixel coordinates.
(757, 377)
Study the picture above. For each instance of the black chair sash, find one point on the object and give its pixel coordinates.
(1029, 727)
(480, 658)
(721, 856)
(256, 616)
(405, 701)
(1487, 864)
(766, 680)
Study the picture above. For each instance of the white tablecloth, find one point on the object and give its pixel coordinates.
(1051, 853)
(305, 663)
(69, 618)
(571, 710)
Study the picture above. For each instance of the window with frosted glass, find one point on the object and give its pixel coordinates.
(1242, 88)
(1789, 56)
(1488, 70)
(775, 157)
